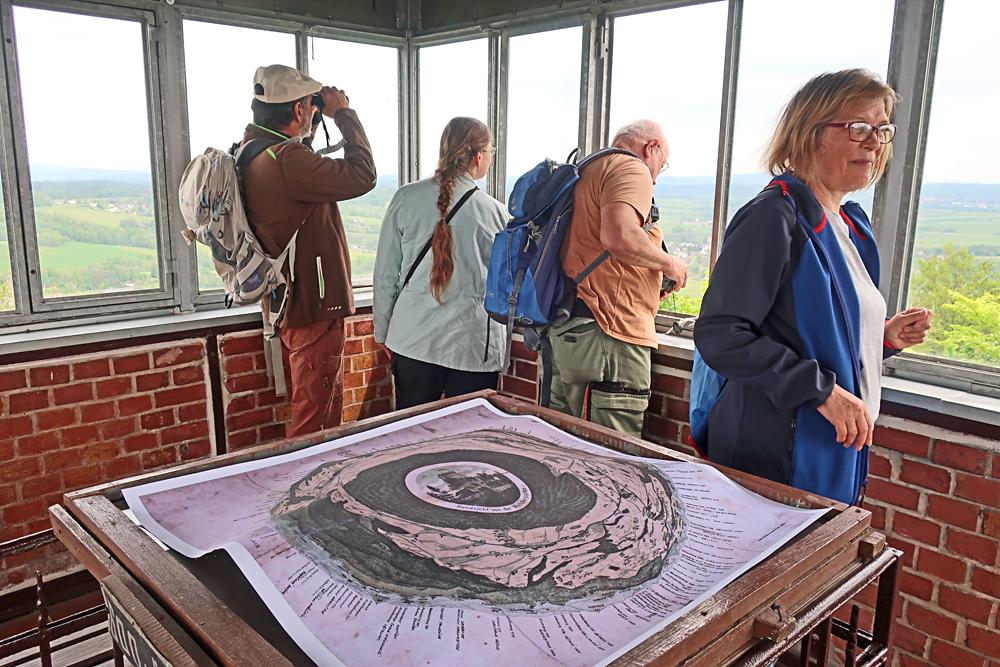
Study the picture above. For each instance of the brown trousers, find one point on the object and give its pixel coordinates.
(315, 360)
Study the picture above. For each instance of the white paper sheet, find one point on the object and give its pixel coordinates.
(470, 536)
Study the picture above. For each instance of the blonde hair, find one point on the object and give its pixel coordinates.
(461, 140)
(795, 142)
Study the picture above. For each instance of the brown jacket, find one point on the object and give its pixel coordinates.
(290, 186)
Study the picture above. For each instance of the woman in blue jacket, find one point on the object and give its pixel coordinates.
(793, 323)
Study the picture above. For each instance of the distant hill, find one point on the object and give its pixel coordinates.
(41, 173)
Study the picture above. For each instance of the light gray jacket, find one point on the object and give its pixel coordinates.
(455, 333)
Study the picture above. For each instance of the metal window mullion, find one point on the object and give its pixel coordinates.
(11, 189)
(727, 123)
(176, 149)
(302, 50)
(595, 82)
(498, 92)
(912, 58)
(410, 113)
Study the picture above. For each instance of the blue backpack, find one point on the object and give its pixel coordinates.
(525, 283)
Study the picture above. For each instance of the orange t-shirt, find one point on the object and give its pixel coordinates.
(623, 298)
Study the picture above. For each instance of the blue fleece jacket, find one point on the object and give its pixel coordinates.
(779, 325)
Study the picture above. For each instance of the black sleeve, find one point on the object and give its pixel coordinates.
(754, 264)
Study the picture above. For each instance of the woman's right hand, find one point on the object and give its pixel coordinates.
(849, 416)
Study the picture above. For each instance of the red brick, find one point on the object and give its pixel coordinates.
(880, 466)
(384, 390)
(243, 402)
(7, 449)
(97, 368)
(893, 494)
(13, 380)
(198, 449)
(915, 585)
(20, 469)
(983, 640)
(118, 428)
(930, 621)
(248, 419)
(8, 494)
(958, 456)
(954, 512)
(909, 639)
(901, 441)
(79, 435)
(379, 407)
(916, 528)
(879, 513)
(176, 356)
(151, 381)
(48, 375)
(986, 582)
(188, 375)
(360, 362)
(134, 405)
(526, 370)
(364, 327)
(100, 452)
(351, 413)
(661, 428)
(518, 387)
(668, 384)
(56, 418)
(379, 374)
(241, 439)
(272, 432)
(152, 421)
(269, 398)
(353, 380)
(11, 427)
(40, 486)
(38, 444)
(981, 549)
(238, 365)
(939, 565)
(97, 412)
(62, 459)
(991, 524)
(24, 511)
(355, 346)
(122, 466)
(139, 442)
(979, 489)
(28, 401)
(247, 382)
(677, 409)
(242, 344)
(943, 653)
(74, 393)
(113, 387)
(76, 478)
(929, 477)
(131, 364)
(964, 604)
(184, 432)
(159, 457)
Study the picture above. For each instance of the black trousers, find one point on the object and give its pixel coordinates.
(419, 382)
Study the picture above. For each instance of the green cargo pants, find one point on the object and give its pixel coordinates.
(599, 378)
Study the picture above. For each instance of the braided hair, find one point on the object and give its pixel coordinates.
(461, 140)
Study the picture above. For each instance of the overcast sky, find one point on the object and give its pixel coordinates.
(667, 66)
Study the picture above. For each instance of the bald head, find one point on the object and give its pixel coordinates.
(645, 138)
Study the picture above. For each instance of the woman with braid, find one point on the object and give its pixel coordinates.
(430, 274)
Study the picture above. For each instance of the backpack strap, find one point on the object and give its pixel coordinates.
(427, 246)
(604, 256)
(248, 151)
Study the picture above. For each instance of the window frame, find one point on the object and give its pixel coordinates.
(36, 305)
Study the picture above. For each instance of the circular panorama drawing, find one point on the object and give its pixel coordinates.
(491, 520)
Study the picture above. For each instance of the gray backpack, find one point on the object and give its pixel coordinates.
(212, 206)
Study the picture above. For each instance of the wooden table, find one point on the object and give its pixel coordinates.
(168, 609)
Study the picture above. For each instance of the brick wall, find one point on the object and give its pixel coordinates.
(82, 420)
(935, 494)
(254, 414)
(76, 421)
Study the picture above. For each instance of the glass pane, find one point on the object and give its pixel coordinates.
(769, 76)
(453, 82)
(685, 97)
(219, 91)
(93, 204)
(6, 274)
(543, 108)
(956, 255)
(374, 93)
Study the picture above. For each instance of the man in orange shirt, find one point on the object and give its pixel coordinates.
(602, 355)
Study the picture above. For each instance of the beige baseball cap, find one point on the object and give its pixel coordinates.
(276, 84)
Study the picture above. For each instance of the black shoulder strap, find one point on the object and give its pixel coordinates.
(427, 246)
(251, 149)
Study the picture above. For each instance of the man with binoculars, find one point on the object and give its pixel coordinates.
(290, 191)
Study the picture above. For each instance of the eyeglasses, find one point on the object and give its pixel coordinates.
(860, 131)
(492, 150)
(666, 165)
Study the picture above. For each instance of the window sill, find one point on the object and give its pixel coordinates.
(934, 398)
